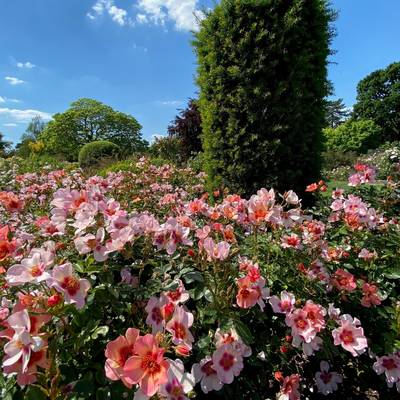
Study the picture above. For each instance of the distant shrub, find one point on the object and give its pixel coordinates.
(159, 162)
(126, 165)
(336, 159)
(196, 162)
(91, 154)
(168, 148)
(357, 136)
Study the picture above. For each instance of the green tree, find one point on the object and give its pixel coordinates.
(35, 128)
(187, 127)
(336, 113)
(87, 121)
(262, 74)
(5, 146)
(358, 136)
(167, 148)
(378, 99)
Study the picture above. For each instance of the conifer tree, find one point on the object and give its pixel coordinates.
(262, 75)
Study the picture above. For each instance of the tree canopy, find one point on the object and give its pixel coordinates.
(87, 121)
(378, 99)
(4, 146)
(358, 136)
(262, 74)
(35, 128)
(336, 113)
(186, 126)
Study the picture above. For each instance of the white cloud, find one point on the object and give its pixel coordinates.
(119, 15)
(141, 19)
(26, 65)
(172, 103)
(23, 115)
(4, 99)
(14, 81)
(180, 11)
(10, 124)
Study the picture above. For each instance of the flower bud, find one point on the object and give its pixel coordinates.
(27, 300)
(54, 301)
(283, 349)
(134, 310)
(191, 253)
(182, 350)
(279, 377)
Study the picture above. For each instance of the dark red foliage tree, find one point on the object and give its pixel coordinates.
(187, 127)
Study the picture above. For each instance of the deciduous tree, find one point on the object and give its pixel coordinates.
(186, 126)
(87, 121)
(378, 99)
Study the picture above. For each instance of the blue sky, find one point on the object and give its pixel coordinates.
(134, 55)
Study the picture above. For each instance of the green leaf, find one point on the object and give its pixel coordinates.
(103, 393)
(193, 276)
(18, 395)
(244, 332)
(171, 287)
(101, 330)
(67, 374)
(198, 292)
(84, 388)
(34, 393)
(392, 273)
(101, 377)
(79, 267)
(93, 268)
(208, 296)
(225, 324)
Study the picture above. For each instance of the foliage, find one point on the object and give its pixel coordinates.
(359, 136)
(378, 99)
(262, 74)
(33, 131)
(36, 147)
(187, 127)
(336, 113)
(87, 121)
(334, 159)
(196, 162)
(5, 146)
(126, 165)
(126, 252)
(92, 152)
(168, 148)
(36, 127)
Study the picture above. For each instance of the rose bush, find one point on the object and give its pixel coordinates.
(138, 285)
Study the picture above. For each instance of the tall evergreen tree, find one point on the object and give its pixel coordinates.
(336, 113)
(262, 74)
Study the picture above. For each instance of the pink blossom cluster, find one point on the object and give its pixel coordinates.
(307, 322)
(365, 174)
